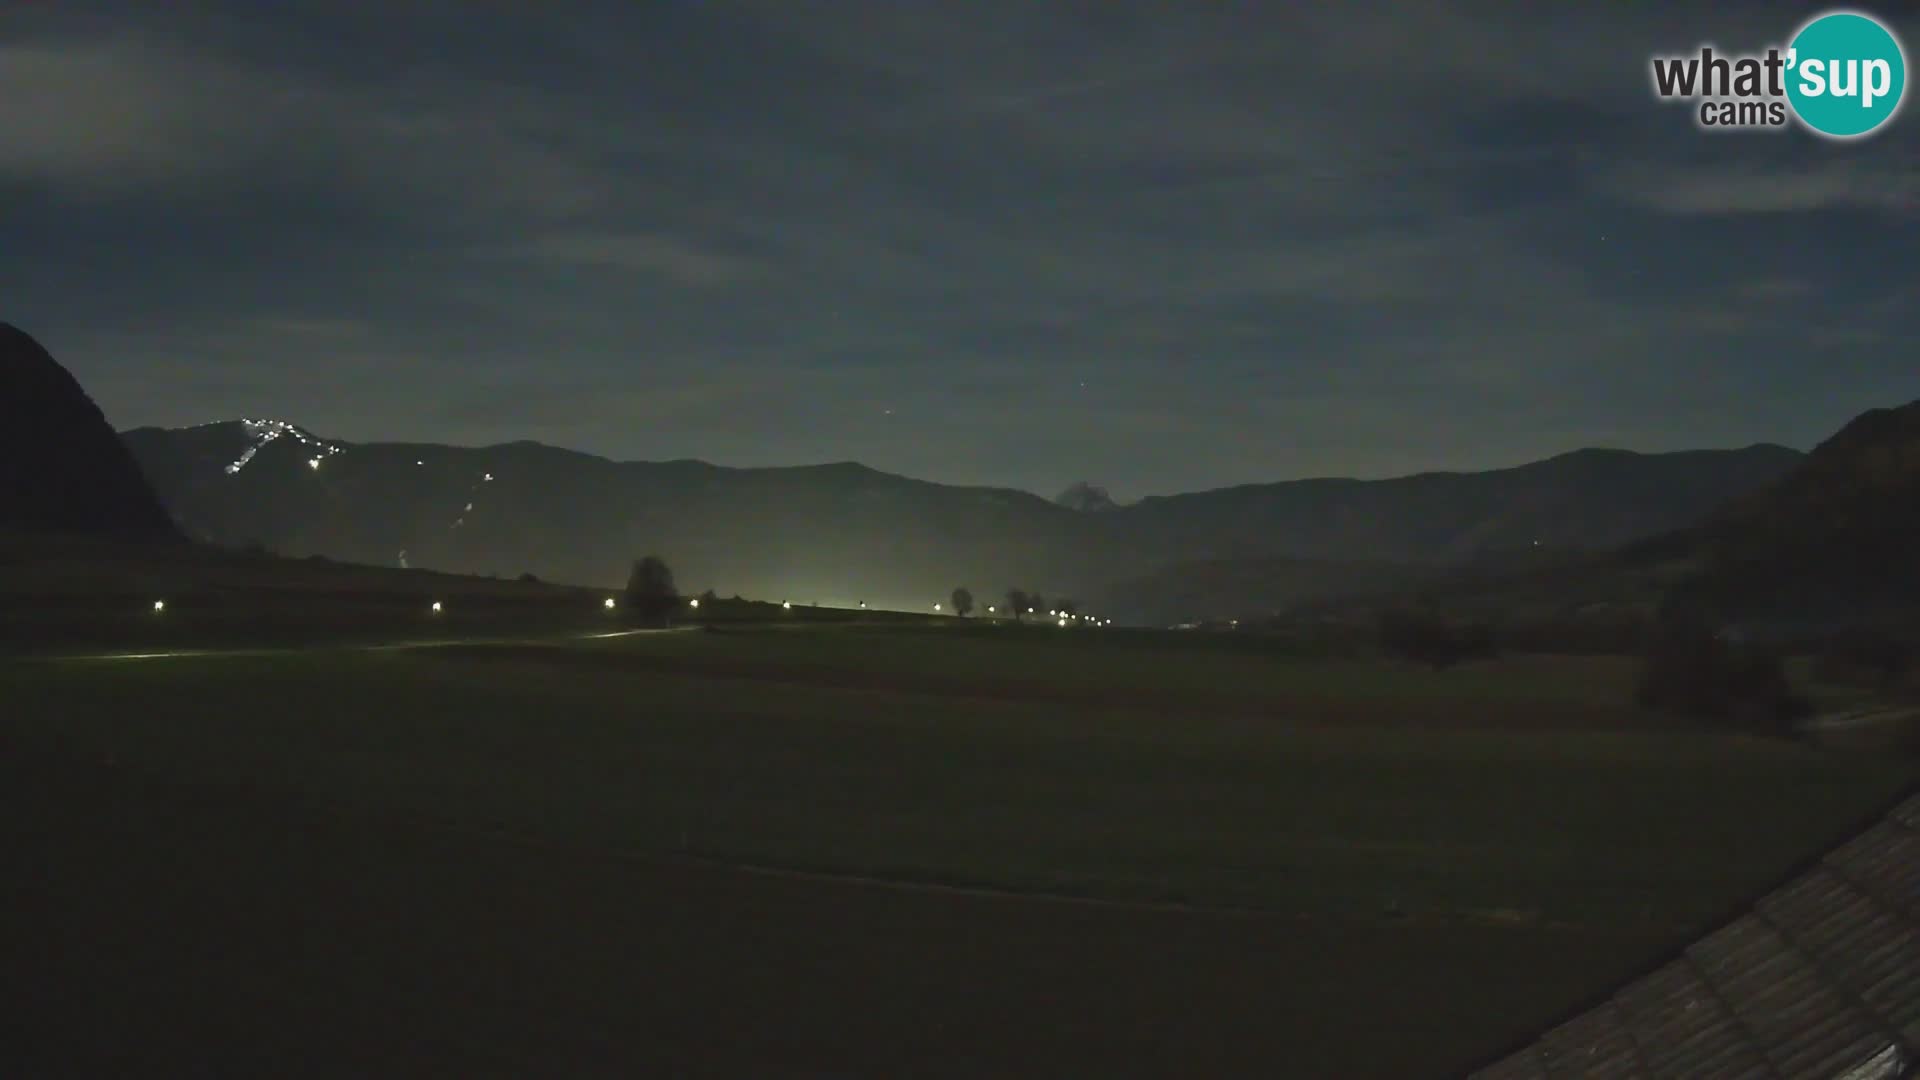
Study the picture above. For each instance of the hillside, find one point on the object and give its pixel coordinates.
(1588, 499)
(62, 469)
(1830, 543)
(843, 533)
(1838, 535)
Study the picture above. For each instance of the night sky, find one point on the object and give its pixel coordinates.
(1157, 246)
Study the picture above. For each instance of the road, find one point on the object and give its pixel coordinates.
(384, 646)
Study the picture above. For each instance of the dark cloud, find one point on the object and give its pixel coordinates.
(1019, 243)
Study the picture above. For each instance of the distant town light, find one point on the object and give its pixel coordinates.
(936, 607)
(436, 607)
(1063, 622)
(989, 609)
(313, 463)
(786, 605)
(695, 602)
(1029, 611)
(159, 606)
(608, 603)
(419, 463)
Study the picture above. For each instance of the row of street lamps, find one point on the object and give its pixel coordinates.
(610, 604)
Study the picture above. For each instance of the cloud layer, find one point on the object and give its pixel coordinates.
(1020, 244)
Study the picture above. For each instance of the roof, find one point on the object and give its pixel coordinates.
(1820, 978)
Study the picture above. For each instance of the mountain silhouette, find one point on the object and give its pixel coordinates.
(841, 533)
(62, 467)
(1835, 536)
(1086, 497)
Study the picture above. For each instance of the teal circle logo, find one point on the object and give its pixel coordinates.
(1846, 75)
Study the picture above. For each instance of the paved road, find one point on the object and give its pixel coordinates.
(384, 646)
(1880, 716)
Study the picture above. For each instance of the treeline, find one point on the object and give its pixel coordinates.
(1690, 665)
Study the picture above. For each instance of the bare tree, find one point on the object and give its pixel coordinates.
(962, 601)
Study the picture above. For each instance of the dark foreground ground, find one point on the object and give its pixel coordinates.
(157, 930)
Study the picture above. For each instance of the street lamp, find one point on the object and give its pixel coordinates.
(436, 609)
(695, 602)
(608, 603)
(159, 606)
(936, 607)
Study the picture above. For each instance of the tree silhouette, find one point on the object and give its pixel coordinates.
(1018, 602)
(962, 601)
(650, 591)
(1691, 669)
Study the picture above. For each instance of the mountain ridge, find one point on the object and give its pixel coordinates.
(850, 464)
(845, 532)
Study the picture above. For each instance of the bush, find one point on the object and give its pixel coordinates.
(1693, 671)
(530, 578)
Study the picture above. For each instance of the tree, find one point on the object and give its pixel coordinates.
(1036, 603)
(650, 590)
(962, 601)
(1694, 671)
(1018, 602)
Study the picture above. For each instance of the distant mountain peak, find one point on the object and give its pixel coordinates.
(1086, 497)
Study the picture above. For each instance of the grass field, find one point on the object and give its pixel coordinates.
(1451, 856)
